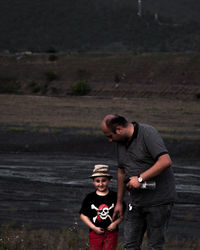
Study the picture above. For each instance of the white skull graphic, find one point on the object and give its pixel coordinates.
(102, 212)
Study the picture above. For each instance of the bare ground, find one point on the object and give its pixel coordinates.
(159, 89)
(73, 123)
(168, 115)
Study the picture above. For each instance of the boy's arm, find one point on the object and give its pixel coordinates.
(88, 222)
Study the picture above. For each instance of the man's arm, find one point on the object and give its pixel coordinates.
(114, 224)
(163, 162)
(120, 193)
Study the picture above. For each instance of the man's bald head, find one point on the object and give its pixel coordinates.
(106, 121)
(110, 122)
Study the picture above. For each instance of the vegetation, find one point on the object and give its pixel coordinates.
(70, 239)
(87, 25)
(50, 76)
(53, 57)
(174, 75)
(80, 88)
(41, 239)
(198, 95)
(125, 84)
(161, 89)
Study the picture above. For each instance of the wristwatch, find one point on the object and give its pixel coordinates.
(140, 180)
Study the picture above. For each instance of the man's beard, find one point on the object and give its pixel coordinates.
(123, 140)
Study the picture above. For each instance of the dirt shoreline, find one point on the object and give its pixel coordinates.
(85, 142)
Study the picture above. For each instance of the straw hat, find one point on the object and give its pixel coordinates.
(101, 170)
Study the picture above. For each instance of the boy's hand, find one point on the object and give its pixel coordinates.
(99, 230)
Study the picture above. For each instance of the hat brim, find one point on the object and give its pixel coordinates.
(100, 175)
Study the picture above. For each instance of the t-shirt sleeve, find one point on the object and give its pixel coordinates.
(99, 209)
(84, 206)
(154, 143)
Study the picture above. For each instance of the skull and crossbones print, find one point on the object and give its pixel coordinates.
(102, 212)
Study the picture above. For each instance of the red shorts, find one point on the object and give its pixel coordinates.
(106, 241)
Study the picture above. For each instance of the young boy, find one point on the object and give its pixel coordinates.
(97, 210)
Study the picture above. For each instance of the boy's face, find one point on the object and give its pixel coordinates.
(101, 183)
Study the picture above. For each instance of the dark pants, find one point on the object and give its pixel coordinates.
(153, 220)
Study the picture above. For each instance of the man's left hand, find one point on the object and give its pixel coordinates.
(133, 183)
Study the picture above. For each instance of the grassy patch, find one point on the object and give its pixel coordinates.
(80, 88)
(173, 118)
(19, 129)
(50, 76)
(165, 74)
(42, 239)
(35, 129)
(23, 239)
(198, 95)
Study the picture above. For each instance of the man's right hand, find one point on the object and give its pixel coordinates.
(118, 210)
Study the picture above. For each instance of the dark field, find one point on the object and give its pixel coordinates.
(159, 89)
(39, 131)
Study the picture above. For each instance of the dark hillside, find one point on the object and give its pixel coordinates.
(160, 75)
(180, 11)
(87, 25)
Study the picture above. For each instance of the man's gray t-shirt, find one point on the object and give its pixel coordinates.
(142, 152)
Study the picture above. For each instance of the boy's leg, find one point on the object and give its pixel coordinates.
(110, 242)
(157, 224)
(96, 241)
(134, 228)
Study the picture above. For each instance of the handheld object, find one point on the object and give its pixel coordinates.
(144, 185)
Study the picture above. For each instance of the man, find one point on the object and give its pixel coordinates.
(142, 156)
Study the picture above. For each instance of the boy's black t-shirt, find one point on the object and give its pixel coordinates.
(99, 209)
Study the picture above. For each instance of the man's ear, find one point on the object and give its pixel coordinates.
(118, 130)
